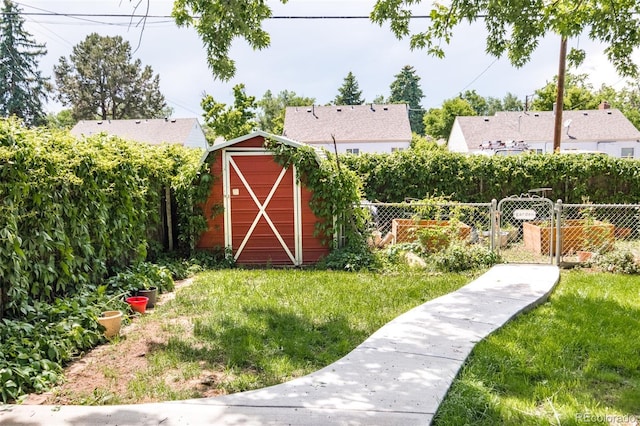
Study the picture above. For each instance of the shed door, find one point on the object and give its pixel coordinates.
(262, 209)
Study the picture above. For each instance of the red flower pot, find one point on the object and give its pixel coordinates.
(138, 303)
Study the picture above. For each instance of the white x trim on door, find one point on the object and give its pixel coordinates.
(296, 258)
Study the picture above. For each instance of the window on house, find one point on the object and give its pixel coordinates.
(397, 149)
(354, 151)
(627, 152)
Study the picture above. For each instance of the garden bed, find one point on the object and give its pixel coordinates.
(407, 230)
(576, 235)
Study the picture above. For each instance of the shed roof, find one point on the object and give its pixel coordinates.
(536, 126)
(152, 131)
(348, 123)
(320, 154)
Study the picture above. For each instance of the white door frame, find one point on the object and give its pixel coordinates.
(227, 166)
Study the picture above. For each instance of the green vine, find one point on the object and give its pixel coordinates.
(192, 187)
(416, 173)
(335, 192)
(73, 212)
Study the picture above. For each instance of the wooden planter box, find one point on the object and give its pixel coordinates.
(576, 235)
(405, 230)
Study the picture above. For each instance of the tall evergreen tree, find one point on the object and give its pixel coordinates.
(406, 89)
(101, 81)
(23, 89)
(349, 94)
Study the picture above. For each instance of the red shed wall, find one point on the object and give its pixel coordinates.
(312, 247)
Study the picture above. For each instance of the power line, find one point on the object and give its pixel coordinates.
(479, 75)
(145, 16)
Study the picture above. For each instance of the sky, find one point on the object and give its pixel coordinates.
(308, 57)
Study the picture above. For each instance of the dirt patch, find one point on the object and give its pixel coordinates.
(106, 371)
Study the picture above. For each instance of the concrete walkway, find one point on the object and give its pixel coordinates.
(398, 376)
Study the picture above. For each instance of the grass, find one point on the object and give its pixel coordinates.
(254, 328)
(573, 361)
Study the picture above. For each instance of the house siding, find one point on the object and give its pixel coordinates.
(607, 131)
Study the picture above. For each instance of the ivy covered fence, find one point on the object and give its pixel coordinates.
(73, 212)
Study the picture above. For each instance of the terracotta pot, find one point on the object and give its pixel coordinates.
(111, 321)
(138, 303)
(151, 293)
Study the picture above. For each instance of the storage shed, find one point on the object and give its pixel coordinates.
(258, 208)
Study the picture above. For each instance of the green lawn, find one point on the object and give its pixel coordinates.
(254, 328)
(572, 361)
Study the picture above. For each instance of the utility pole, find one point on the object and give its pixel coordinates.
(557, 129)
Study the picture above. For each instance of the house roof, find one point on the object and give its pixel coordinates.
(152, 131)
(347, 123)
(320, 154)
(537, 126)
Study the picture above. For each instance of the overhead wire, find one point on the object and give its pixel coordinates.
(159, 19)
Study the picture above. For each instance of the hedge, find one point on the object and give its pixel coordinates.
(73, 212)
(417, 174)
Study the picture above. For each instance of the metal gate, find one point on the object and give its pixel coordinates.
(524, 229)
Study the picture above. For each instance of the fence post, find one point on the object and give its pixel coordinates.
(494, 215)
(558, 226)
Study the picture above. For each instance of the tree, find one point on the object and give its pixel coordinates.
(379, 100)
(439, 121)
(626, 100)
(349, 94)
(100, 81)
(233, 121)
(219, 22)
(493, 105)
(424, 143)
(62, 120)
(511, 103)
(406, 89)
(23, 89)
(578, 94)
(515, 28)
(477, 102)
(271, 119)
(490, 105)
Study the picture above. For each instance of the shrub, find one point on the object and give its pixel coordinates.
(199, 261)
(461, 257)
(73, 212)
(352, 258)
(618, 261)
(436, 238)
(474, 178)
(33, 349)
(141, 276)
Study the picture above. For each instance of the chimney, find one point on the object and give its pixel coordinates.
(604, 105)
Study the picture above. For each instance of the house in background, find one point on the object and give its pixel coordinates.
(605, 130)
(183, 131)
(357, 129)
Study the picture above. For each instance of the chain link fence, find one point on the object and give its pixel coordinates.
(415, 222)
(588, 230)
(523, 229)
